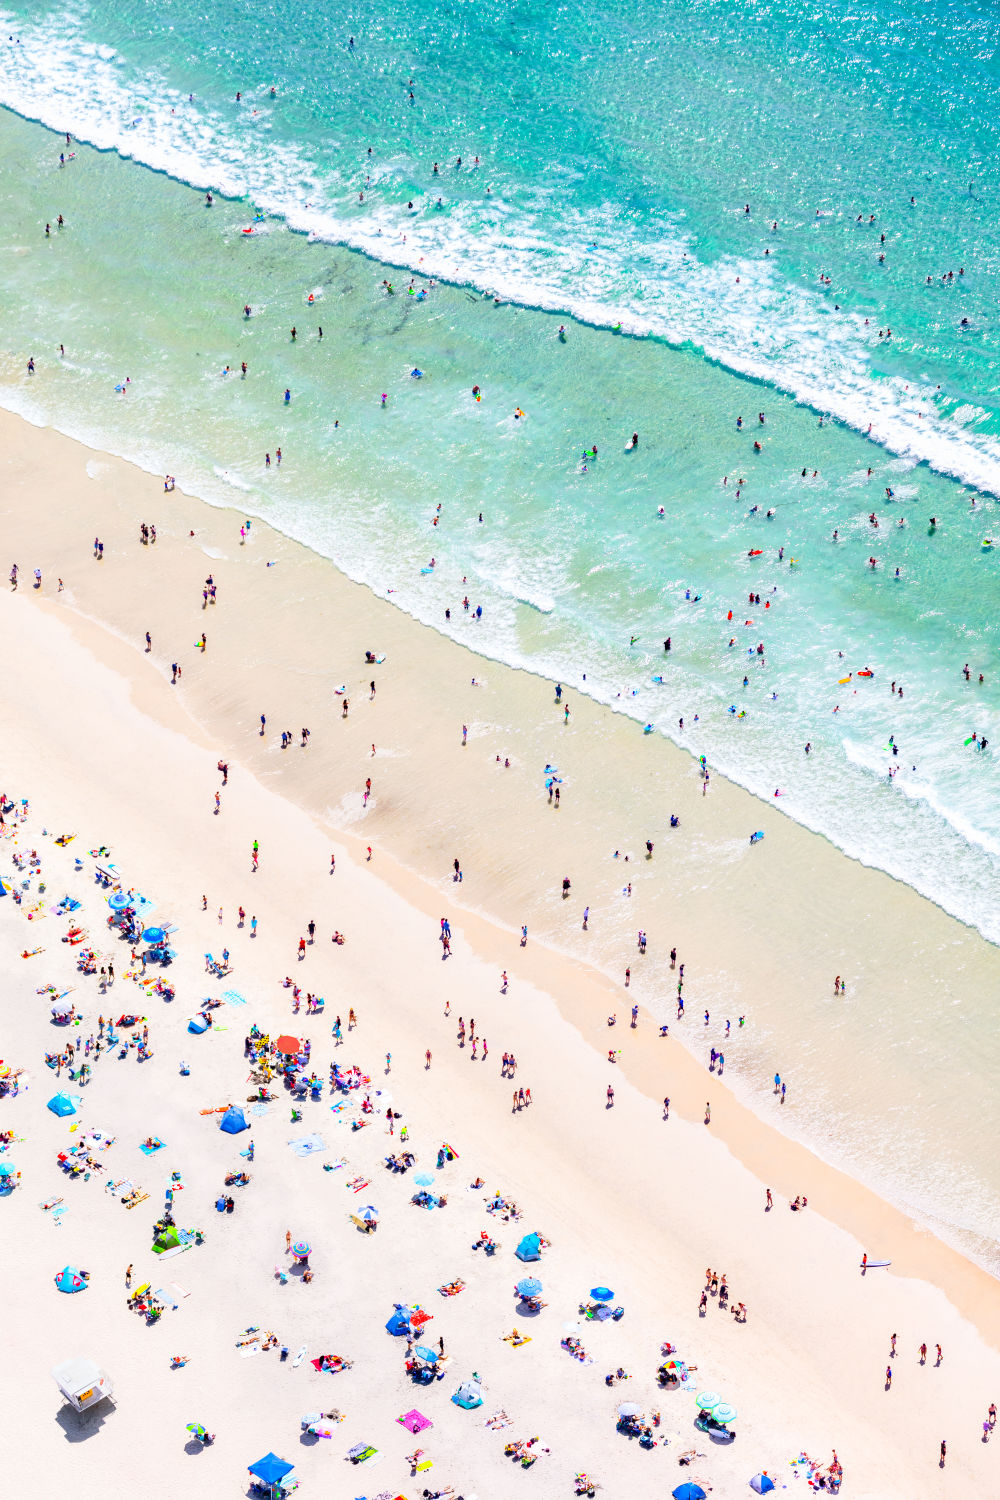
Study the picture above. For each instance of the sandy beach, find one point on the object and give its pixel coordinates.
(106, 747)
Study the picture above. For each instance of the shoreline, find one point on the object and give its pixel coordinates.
(607, 704)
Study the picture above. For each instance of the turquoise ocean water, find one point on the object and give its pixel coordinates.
(618, 149)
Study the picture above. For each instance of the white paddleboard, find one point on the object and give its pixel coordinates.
(299, 1357)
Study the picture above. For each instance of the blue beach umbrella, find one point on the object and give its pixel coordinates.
(528, 1286)
(154, 935)
(602, 1294)
(724, 1413)
(118, 900)
(427, 1355)
(707, 1400)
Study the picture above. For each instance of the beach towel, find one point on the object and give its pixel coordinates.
(233, 997)
(305, 1145)
(151, 1150)
(258, 1111)
(414, 1421)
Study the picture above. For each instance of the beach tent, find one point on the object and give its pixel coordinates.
(469, 1395)
(689, 1491)
(762, 1483)
(270, 1469)
(82, 1382)
(64, 1104)
(530, 1248)
(197, 1024)
(400, 1321)
(70, 1280)
(233, 1121)
(166, 1240)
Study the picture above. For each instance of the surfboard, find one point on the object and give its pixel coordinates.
(842, 680)
(299, 1357)
(876, 1265)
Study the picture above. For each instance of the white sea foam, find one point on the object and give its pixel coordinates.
(744, 315)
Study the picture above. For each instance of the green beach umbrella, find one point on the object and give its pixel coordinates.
(725, 1413)
(707, 1400)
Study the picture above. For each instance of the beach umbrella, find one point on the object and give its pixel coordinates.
(301, 1249)
(424, 1179)
(288, 1044)
(369, 1213)
(528, 1286)
(707, 1400)
(724, 1413)
(118, 900)
(196, 1428)
(61, 1007)
(602, 1294)
(70, 1280)
(7, 1169)
(427, 1355)
(309, 1418)
(154, 935)
(629, 1409)
(270, 1468)
(689, 1491)
(762, 1483)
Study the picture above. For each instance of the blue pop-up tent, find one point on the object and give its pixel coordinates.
(233, 1121)
(469, 1395)
(270, 1469)
(70, 1280)
(530, 1248)
(400, 1321)
(64, 1104)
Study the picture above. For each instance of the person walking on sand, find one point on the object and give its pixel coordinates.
(128, 1276)
(611, 1097)
(503, 982)
(708, 1113)
(769, 1204)
(923, 1354)
(427, 1058)
(892, 1346)
(944, 1453)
